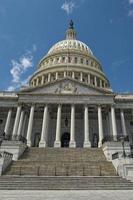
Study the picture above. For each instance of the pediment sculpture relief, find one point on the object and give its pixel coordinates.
(66, 88)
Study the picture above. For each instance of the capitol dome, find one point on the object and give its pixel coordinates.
(72, 45)
(73, 59)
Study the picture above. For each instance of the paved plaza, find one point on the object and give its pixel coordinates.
(65, 195)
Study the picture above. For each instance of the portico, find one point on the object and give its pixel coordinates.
(82, 121)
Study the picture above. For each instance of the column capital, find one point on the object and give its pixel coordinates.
(112, 105)
(19, 104)
(99, 105)
(86, 105)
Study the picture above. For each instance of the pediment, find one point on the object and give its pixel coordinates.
(65, 86)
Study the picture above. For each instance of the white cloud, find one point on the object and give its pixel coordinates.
(11, 88)
(130, 1)
(20, 66)
(130, 13)
(68, 6)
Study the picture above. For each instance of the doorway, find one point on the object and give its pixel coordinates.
(37, 139)
(65, 139)
(95, 141)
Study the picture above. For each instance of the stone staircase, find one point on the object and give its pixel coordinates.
(63, 169)
(64, 183)
(62, 162)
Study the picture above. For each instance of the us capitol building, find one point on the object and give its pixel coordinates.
(68, 102)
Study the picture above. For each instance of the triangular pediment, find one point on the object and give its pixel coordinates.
(65, 86)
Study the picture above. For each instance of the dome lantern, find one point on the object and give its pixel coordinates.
(71, 33)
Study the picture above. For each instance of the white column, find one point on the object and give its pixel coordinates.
(95, 80)
(113, 120)
(16, 123)
(8, 121)
(64, 74)
(20, 125)
(73, 75)
(56, 75)
(123, 125)
(72, 129)
(57, 142)
(30, 124)
(100, 126)
(86, 128)
(49, 77)
(81, 76)
(89, 79)
(43, 142)
(42, 82)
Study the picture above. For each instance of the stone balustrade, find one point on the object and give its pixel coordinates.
(5, 160)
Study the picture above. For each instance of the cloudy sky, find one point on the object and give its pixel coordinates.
(28, 28)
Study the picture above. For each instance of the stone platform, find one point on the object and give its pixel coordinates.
(66, 195)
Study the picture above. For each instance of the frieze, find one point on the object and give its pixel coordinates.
(78, 99)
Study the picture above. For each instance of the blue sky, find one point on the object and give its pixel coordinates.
(28, 28)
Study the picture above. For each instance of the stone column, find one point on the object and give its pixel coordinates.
(89, 79)
(81, 76)
(20, 125)
(95, 80)
(57, 142)
(30, 124)
(86, 128)
(65, 74)
(49, 77)
(42, 82)
(56, 75)
(113, 120)
(100, 126)
(7, 125)
(72, 128)
(73, 75)
(16, 123)
(43, 142)
(123, 125)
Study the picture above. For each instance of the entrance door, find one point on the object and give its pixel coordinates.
(37, 140)
(65, 140)
(95, 140)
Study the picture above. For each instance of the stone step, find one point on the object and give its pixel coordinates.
(62, 169)
(63, 154)
(62, 162)
(64, 183)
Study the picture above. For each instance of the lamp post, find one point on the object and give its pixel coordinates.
(122, 138)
